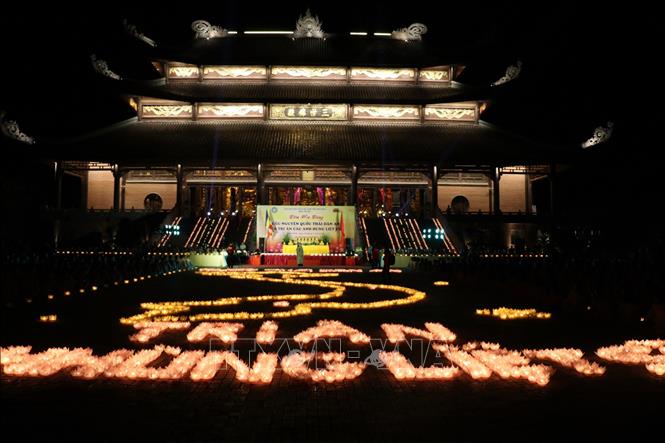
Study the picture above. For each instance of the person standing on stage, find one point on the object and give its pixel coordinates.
(300, 254)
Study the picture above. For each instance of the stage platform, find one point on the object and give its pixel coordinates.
(309, 260)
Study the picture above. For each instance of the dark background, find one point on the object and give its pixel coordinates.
(583, 65)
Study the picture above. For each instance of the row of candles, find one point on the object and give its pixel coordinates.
(180, 311)
(511, 313)
(477, 360)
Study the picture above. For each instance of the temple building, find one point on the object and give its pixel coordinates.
(231, 120)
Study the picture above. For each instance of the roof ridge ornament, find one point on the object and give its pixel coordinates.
(413, 33)
(103, 68)
(133, 30)
(600, 135)
(10, 129)
(207, 31)
(308, 26)
(512, 72)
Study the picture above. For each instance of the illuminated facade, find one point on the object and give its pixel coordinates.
(286, 124)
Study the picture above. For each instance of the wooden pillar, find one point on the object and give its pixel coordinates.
(179, 190)
(354, 185)
(528, 193)
(495, 176)
(260, 186)
(435, 190)
(84, 190)
(116, 188)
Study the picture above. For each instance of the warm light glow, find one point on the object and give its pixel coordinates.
(48, 318)
(261, 372)
(179, 310)
(466, 362)
(478, 360)
(230, 111)
(435, 331)
(434, 75)
(296, 365)
(183, 72)
(308, 112)
(266, 334)
(166, 111)
(451, 112)
(331, 328)
(308, 72)
(149, 330)
(402, 369)
(569, 358)
(226, 332)
(637, 352)
(234, 72)
(512, 314)
(386, 112)
(383, 74)
(441, 283)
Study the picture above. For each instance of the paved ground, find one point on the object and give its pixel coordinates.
(374, 407)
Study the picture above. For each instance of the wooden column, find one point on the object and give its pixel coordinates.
(116, 188)
(495, 176)
(435, 190)
(354, 185)
(179, 190)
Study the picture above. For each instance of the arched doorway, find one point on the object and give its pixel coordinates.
(153, 202)
(459, 205)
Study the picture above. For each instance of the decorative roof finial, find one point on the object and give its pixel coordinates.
(205, 30)
(413, 32)
(131, 29)
(512, 73)
(10, 129)
(308, 26)
(103, 68)
(600, 135)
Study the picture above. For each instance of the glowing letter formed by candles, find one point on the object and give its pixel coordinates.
(136, 365)
(44, 363)
(437, 331)
(226, 332)
(511, 364)
(14, 354)
(637, 352)
(466, 362)
(92, 366)
(295, 364)
(266, 334)
(569, 358)
(151, 329)
(263, 369)
(402, 368)
(261, 372)
(331, 328)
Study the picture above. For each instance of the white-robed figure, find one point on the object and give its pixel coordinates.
(300, 254)
(224, 254)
